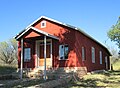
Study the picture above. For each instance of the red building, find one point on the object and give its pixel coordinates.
(57, 45)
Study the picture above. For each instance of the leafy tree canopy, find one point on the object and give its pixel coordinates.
(114, 33)
(8, 51)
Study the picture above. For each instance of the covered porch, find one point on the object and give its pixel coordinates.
(36, 49)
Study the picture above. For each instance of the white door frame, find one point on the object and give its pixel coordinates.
(38, 54)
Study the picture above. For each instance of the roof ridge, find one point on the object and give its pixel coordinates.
(67, 25)
(37, 30)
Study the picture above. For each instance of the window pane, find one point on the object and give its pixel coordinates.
(43, 24)
(47, 51)
(100, 57)
(93, 55)
(66, 52)
(106, 62)
(61, 51)
(27, 54)
(41, 51)
(83, 53)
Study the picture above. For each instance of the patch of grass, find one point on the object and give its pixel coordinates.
(99, 80)
(103, 79)
(116, 65)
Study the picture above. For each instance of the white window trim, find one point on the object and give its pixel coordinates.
(27, 54)
(100, 57)
(62, 52)
(83, 53)
(42, 25)
(93, 54)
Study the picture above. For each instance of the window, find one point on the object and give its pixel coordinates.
(100, 57)
(106, 62)
(83, 53)
(93, 54)
(63, 52)
(27, 54)
(48, 52)
(43, 24)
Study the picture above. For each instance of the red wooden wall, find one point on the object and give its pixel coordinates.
(67, 36)
(82, 40)
(75, 41)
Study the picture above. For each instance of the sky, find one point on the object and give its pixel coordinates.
(95, 17)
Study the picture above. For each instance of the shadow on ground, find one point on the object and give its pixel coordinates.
(101, 79)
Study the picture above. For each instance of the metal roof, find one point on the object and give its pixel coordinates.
(66, 25)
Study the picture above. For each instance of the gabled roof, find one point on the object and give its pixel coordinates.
(36, 30)
(66, 25)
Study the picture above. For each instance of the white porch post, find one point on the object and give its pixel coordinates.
(21, 64)
(37, 55)
(44, 57)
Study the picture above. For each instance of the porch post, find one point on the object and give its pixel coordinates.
(21, 64)
(44, 57)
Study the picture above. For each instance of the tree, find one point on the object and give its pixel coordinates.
(114, 53)
(114, 58)
(114, 33)
(8, 51)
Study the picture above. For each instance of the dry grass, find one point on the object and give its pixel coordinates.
(107, 79)
(103, 79)
(116, 66)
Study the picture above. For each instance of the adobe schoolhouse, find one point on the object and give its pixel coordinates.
(47, 43)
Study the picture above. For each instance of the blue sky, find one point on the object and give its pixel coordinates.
(95, 17)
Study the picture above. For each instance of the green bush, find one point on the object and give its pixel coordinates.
(7, 69)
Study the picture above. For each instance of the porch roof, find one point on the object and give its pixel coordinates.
(36, 30)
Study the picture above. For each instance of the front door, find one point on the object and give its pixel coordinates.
(40, 54)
